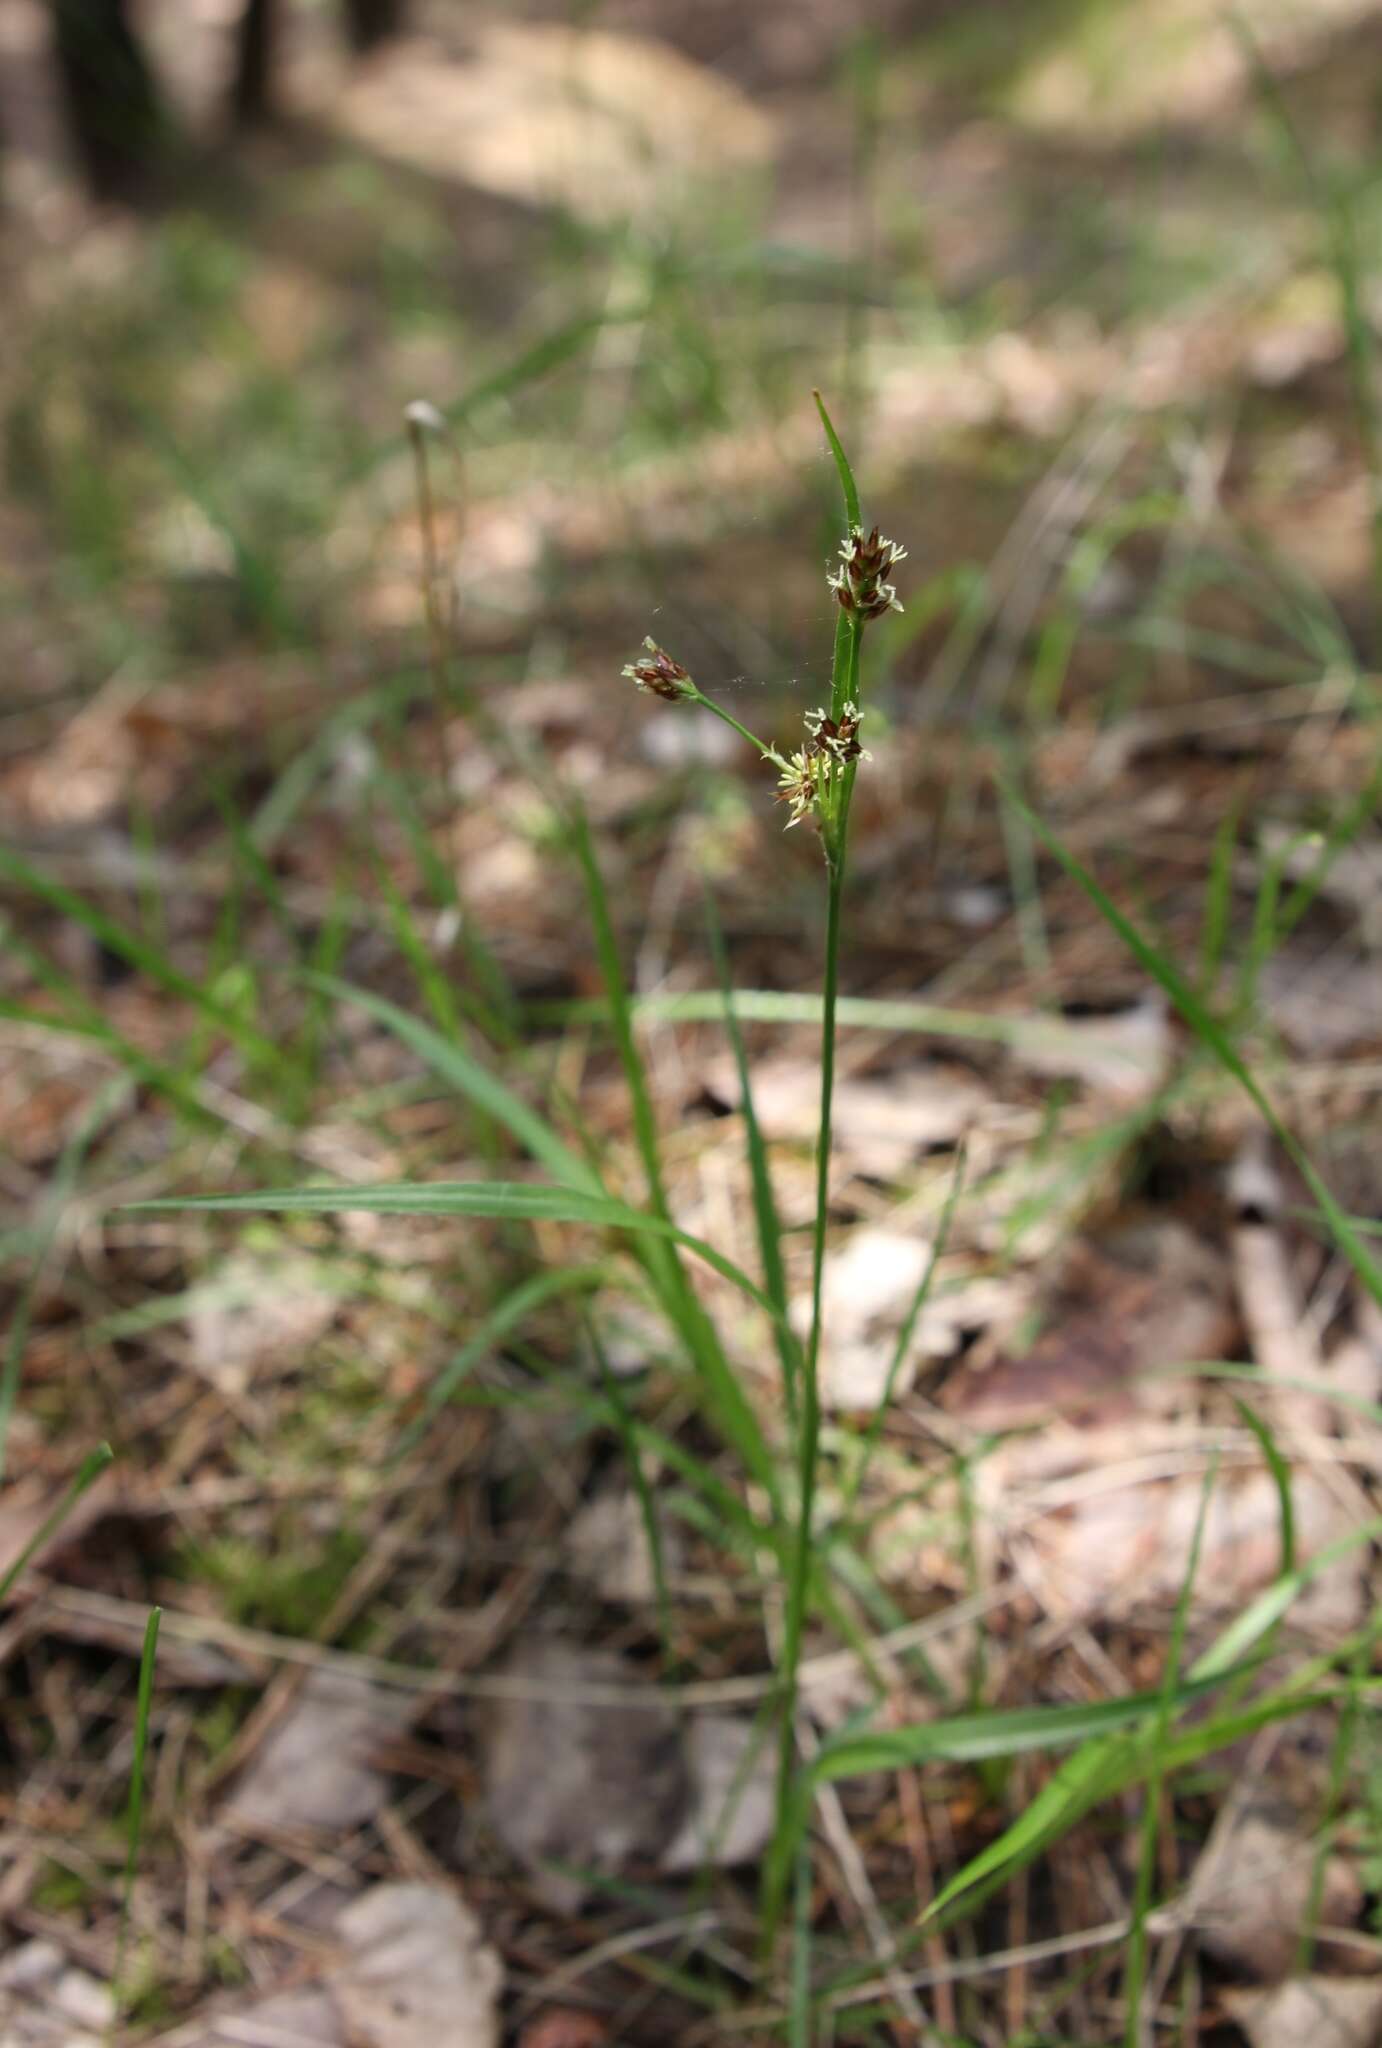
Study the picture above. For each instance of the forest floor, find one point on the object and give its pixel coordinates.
(462, 1576)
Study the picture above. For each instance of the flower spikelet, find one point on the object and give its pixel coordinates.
(860, 583)
(659, 674)
(837, 738)
(800, 782)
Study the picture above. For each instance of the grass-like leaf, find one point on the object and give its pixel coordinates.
(139, 953)
(473, 1080)
(724, 1394)
(1102, 1768)
(1281, 1479)
(138, 1772)
(50, 1217)
(506, 1316)
(1212, 1035)
(1261, 1615)
(849, 490)
(766, 1220)
(1135, 1976)
(982, 1737)
(510, 1201)
(92, 1465)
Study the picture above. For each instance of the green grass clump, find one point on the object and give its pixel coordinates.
(284, 1587)
(791, 1544)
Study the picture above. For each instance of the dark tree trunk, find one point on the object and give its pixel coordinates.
(116, 117)
(370, 22)
(252, 92)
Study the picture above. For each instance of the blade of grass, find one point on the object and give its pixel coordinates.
(1340, 1765)
(493, 1199)
(983, 1737)
(989, 1734)
(278, 810)
(1256, 1621)
(1234, 1369)
(547, 353)
(110, 1098)
(489, 996)
(1135, 1977)
(621, 1013)
(259, 576)
(92, 1465)
(1218, 903)
(710, 1506)
(1351, 821)
(1281, 1479)
(799, 2013)
(1263, 936)
(472, 1079)
(437, 988)
(1094, 1774)
(513, 1310)
(80, 1019)
(1212, 1034)
(724, 1393)
(1103, 1768)
(135, 1818)
(765, 1216)
(132, 948)
(776, 1006)
(849, 490)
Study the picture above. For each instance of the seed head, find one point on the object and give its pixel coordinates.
(656, 672)
(800, 783)
(837, 738)
(860, 585)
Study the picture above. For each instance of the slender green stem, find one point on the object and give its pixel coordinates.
(431, 577)
(835, 834)
(695, 696)
(92, 1465)
(138, 1772)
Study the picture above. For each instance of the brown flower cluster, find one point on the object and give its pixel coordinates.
(805, 775)
(657, 672)
(866, 561)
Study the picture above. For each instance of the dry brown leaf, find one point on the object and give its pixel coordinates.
(312, 1769)
(419, 1971)
(733, 1792)
(1117, 1547)
(568, 1782)
(1326, 1001)
(1124, 1057)
(90, 768)
(27, 1506)
(564, 2026)
(1253, 1888)
(598, 123)
(607, 1546)
(45, 2003)
(1142, 1298)
(1310, 2012)
(1103, 1514)
(882, 1124)
(284, 2019)
(415, 1972)
(866, 1290)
